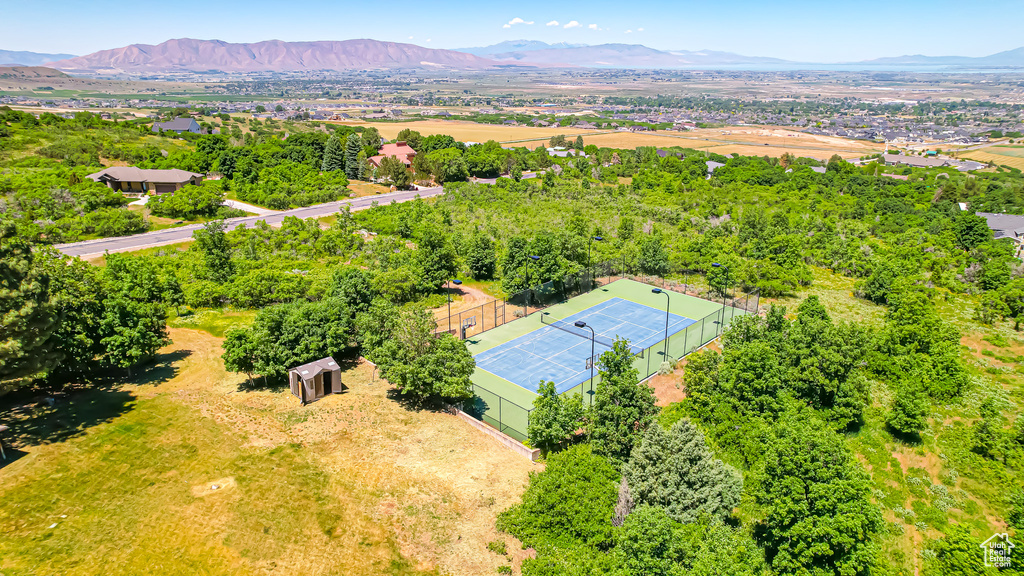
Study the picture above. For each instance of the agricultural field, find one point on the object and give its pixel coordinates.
(231, 479)
(1012, 156)
(754, 141)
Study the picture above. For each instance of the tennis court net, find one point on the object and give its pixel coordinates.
(584, 333)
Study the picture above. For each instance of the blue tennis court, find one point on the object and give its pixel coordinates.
(553, 354)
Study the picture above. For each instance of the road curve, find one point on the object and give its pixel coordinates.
(183, 233)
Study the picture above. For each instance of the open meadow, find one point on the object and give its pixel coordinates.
(1012, 156)
(187, 470)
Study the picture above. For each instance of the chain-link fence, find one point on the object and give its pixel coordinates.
(512, 418)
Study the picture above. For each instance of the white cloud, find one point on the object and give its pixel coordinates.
(639, 29)
(428, 39)
(515, 21)
(410, 37)
(628, 32)
(593, 27)
(552, 23)
(573, 24)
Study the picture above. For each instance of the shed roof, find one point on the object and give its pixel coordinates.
(307, 371)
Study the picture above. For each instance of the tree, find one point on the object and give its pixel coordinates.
(436, 256)
(816, 513)
(678, 472)
(971, 230)
(958, 555)
(647, 543)
(424, 366)
(653, 258)
(909, 412)
(212, 242)
(480, 256)
(27, 311)
(623, 408)
(570, 501)
(578, 145)
(240, 352)
(411, 137)
(448, 165)
(352, 150)
(334, 155)
(554, 419)
(394, 171)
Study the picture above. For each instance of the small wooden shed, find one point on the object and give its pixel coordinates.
(311, 382)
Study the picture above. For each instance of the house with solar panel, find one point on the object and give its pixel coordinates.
(311, 382)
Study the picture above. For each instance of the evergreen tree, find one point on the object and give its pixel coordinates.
(554, 419)
(352, 150)
(334, 155)
(623, 408)
(677, 471)
(27, 313)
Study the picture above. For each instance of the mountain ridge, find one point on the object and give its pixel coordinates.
(192, 55)
(25, 58)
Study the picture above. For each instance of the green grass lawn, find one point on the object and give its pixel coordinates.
(214, 322)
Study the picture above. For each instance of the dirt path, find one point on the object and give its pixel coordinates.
(463, 298)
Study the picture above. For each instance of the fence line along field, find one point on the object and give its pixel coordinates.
(179, 473)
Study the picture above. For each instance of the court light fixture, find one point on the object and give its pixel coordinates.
(580, 324)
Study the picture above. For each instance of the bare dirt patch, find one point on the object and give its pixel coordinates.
(668, 388)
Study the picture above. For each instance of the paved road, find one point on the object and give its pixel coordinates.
(175, 235)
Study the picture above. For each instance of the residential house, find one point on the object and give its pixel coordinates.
(399, 150)
(133, 181)
(178, 125)
(1006, 226)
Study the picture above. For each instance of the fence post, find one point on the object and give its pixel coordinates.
(500, 424)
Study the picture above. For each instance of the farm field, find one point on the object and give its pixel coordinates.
(1012, 156)
(356, 483)
(750, 140)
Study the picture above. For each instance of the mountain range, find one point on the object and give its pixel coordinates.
(187, 54)
(21, 58)
(190, 55)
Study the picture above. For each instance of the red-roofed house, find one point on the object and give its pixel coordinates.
(399, 150)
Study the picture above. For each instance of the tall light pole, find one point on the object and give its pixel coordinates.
(534, 258)
(582, 324)
(457, 283)
(589, 265)
(724, 292)
(668, 302)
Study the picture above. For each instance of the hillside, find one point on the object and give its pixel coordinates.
(188, 54)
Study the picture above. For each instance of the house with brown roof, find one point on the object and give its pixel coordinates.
(132, 181)
(399, 150)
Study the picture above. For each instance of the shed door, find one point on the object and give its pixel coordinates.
(336, 381)
(293, 381)
(327, 383)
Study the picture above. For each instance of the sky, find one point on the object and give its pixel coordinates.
(799, 30)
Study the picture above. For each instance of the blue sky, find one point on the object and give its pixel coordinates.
(802, 30)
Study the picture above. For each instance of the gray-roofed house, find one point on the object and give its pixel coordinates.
(712, 165)
(178, 125)
(132, 181)
(311, 382)
(1006, 226)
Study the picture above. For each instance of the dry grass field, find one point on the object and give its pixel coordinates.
(1012, 156)
(753, 140)
(188, 471)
